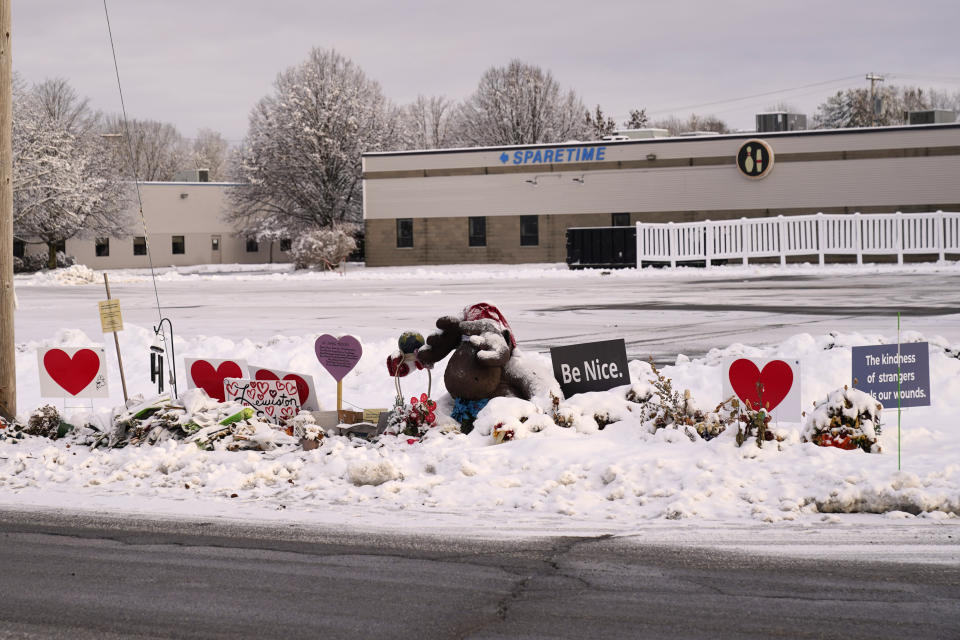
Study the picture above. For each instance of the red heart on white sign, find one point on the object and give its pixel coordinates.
(73, 374)
(210, 379)
(303, 389)
(749, 382)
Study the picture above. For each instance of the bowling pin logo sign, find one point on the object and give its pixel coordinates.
(755, 159)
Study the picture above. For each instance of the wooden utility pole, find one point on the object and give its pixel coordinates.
(8, 363)
(874, 112)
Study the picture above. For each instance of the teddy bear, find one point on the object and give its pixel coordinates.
(485, 363)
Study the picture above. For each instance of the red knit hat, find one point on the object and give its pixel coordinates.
(484, 311)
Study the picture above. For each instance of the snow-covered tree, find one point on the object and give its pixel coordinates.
(853, 107)
(64, 185)
(428, 123)
(599, 124)
(300, 162)
(637, 120)
(159, 150)
(520, 104)
(210, 152)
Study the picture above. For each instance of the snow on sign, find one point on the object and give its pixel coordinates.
(208, 374)
(875, 372)
(771, 383)
(306, 389)
(274, 400)
(592, 366)
(73, 373)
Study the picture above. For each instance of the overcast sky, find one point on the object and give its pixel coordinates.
(205, 63)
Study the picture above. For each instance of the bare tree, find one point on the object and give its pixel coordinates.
(428, 122)
(64, 184)
(300, 163)
(159, 151)
(599, 124)
(695, 122)
(520, 104)
(210, 152)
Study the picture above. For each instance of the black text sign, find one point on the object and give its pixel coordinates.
(594, 366)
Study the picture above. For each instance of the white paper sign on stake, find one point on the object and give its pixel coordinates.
(209, 373)
(779, 380)
(305, 385)
(77, 372)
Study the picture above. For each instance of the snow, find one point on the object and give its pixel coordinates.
(547, 478)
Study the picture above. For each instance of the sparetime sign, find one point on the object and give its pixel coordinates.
(554, 156)
(594, 366)
(875, 372)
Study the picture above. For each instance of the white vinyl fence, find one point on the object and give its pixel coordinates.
(821, 235)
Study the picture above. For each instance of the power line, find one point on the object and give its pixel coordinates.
(756, 95)
(133, 168)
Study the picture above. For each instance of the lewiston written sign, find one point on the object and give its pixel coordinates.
(559, 155)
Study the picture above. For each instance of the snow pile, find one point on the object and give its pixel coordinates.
(608, 463)
(847, 419)
(77, 274)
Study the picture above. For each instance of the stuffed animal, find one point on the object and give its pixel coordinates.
(484, 364)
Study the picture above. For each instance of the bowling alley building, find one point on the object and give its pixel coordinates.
(515, 204)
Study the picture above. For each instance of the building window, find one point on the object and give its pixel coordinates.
(139, 245)
(252, 245)
(620, 219)
(477, 229)
(286, 244)
(101, 247)
(529, 231)
(19, 248)
(60, 246)
(404, 233)
(178, 245)
(215, 243)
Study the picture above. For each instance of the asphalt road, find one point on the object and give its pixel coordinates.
(71, 577)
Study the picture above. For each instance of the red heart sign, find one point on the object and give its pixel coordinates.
(210, 379)
(303, 389)
(775, 380)
(73, 374)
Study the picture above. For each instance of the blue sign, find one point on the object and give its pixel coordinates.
(875, 372)
(554, 156)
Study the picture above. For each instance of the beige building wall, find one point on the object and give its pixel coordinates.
(680, 179)
(193, 210)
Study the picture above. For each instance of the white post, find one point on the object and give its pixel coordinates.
(940, 221)
(858, 236)
(744, 238)
(639, 245)
(781, 232)
(708, 249)
(672, 239)
(898, 229)
(821, 236)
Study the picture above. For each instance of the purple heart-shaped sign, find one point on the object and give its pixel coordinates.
(338, 355)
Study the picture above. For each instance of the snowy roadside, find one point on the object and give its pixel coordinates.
(583, 477)
(579, 480)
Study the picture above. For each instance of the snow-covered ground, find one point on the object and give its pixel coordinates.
(619, 479)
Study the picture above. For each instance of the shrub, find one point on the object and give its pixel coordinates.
(325, 248)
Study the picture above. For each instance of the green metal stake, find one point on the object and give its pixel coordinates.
(898, 391)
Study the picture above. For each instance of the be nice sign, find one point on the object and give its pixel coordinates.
(593, 366)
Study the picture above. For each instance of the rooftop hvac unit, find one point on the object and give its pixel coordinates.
(932, 116)
(780, 121)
